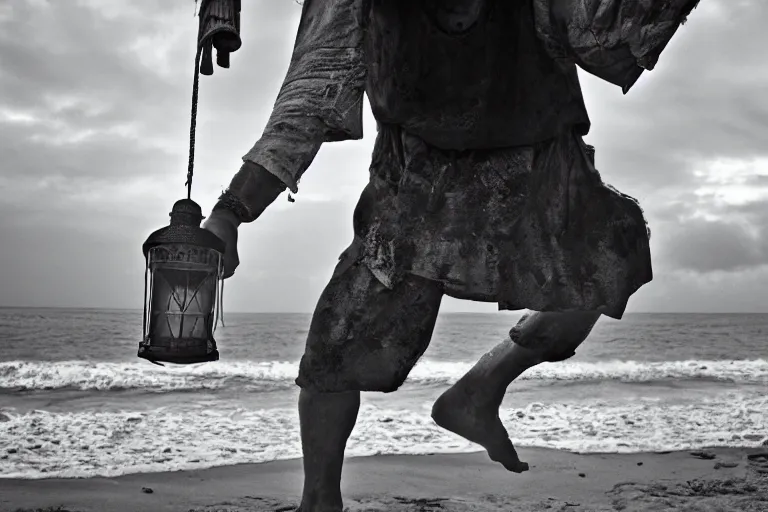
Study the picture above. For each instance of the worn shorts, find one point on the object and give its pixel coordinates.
(365, 336)
(525, 227)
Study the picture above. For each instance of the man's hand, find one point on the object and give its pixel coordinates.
(223, 223)
(253, 186)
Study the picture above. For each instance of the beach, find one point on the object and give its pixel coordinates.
(85, 425)
(557, 481)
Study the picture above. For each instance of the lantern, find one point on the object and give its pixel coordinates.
(182, 299)
(184, 262)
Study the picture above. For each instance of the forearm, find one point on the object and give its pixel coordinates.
(320, 101)
(322, 95)
(288, 145)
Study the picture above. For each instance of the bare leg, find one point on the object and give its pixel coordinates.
(326, 422)
(363, 337)
(470, 408)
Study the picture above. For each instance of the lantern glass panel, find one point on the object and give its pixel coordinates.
(182, 302)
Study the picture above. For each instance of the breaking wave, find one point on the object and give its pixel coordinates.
(276, 375)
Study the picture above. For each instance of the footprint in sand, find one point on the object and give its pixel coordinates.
(425, 504)
(704, 455)
(759, 462)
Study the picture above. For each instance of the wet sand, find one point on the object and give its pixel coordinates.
(720, 479)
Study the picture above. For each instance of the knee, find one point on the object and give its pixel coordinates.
(556, 357)
(369, 374)
(382, 374)
(553, 335)
(543, 348)
(342, 386)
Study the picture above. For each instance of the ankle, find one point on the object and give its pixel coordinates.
(477, 393)
(320, 500)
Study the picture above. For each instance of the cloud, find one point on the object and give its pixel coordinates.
(721, 225)
(705, 246)
(94, 129)
(688, 142)
(701, 103)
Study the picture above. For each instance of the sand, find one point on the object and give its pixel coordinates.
(734, 480)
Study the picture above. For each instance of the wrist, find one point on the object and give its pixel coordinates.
(221, 212)
(232, 208)
(251, 190)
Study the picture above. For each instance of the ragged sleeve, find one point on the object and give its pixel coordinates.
(321, 98)
(615, 40)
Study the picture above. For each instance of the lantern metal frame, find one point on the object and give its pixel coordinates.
(183, 247)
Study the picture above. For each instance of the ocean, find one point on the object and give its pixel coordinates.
(75, 401)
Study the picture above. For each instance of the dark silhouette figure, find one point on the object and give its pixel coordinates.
(481, 188)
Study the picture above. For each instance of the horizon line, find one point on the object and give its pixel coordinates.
(2, 306)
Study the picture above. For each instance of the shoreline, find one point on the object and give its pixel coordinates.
(732, 479)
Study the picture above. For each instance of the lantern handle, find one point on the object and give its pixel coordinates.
(146, 285)
(221, 304)
(219, 308)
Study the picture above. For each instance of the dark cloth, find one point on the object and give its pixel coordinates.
(338, 53)
(532, 227)
(481, 187)
(499, 95)
(365, 336)
(489, 84)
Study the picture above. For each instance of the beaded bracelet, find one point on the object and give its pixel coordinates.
(231, 202)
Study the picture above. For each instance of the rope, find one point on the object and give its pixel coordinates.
(201, 45)
(144, 322)
(218, 314)
(221, 304)
(193, 123)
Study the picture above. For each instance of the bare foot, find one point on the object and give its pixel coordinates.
(314, 507)
(456, 411)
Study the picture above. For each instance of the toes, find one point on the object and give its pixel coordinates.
(509, 459)
(517, 466)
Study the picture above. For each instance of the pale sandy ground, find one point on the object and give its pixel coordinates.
(432, 483)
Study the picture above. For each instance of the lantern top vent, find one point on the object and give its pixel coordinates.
(186, 212)
(185, 229)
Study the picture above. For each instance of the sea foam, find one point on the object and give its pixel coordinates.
(41, 444)
(276, 375)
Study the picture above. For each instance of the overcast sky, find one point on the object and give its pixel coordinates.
(94, 120)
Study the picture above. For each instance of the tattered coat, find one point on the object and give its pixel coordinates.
(480, 178)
